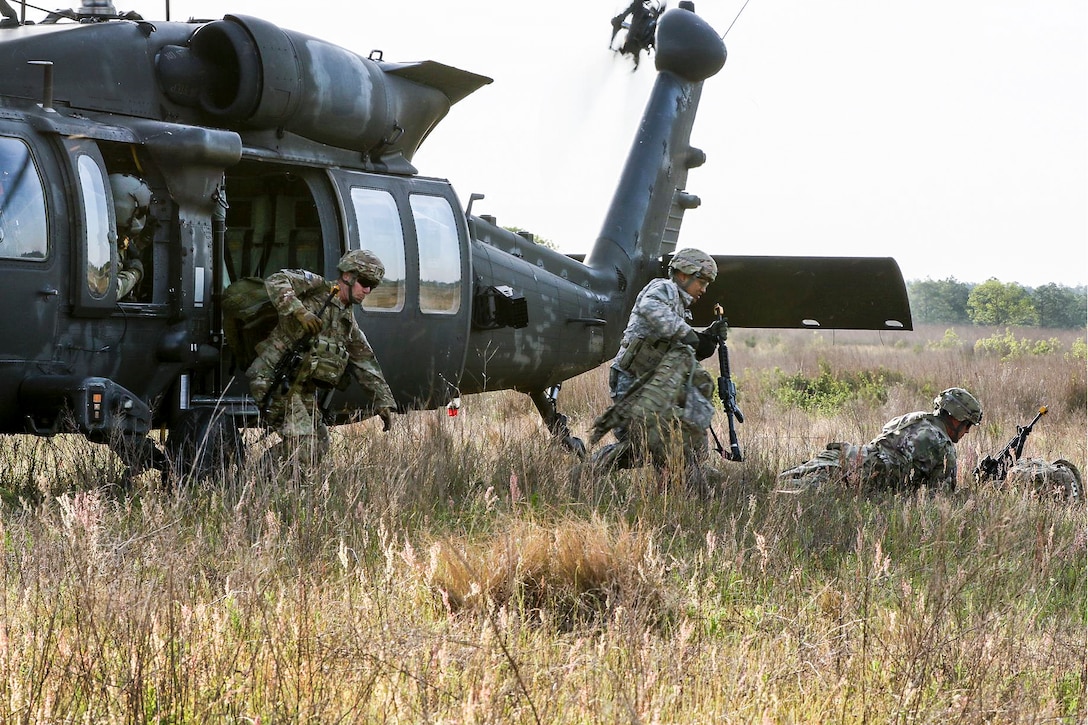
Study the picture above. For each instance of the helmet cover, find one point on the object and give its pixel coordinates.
(695, 262)
(960, 404)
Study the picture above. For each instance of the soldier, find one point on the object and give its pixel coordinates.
(131, 203)
(659, 391)
(338, 347)
(913, 450)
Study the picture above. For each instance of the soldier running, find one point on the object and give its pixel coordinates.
(338, 346)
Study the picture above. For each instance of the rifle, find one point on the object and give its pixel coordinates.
(286, 369)
(997, 467)
(727, 393)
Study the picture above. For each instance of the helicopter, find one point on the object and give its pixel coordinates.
(264, 148)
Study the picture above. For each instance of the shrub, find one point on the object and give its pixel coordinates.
(950, 341)
(1078, 350)
(1007, 347)
(828, 391)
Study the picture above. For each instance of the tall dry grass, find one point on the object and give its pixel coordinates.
(449, 571)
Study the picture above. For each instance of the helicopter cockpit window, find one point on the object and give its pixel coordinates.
(380, 232)
(439, 255)
(98, 226)
(22, 204)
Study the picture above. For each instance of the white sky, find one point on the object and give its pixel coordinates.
(949, 134)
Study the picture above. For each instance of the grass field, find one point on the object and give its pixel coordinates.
(448, 571)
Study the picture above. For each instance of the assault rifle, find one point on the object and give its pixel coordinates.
(997, 467)
(286, 370)
(727, 393)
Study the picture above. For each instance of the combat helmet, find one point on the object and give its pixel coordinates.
(131, 199)
(960, 404)
(362, 263)
(695, 262)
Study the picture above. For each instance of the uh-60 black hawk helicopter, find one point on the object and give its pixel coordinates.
(263, 148)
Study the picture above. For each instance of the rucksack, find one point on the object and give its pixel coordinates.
(1058, 479)
(248, 318)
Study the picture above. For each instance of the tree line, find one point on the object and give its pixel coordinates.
(949, 301)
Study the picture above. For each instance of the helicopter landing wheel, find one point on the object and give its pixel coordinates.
(202, 445)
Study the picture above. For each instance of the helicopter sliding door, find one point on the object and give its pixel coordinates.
(417, 318)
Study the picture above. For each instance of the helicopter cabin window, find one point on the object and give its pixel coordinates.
(22, 204)
(380, 232)
(439, 255)
(98, 226)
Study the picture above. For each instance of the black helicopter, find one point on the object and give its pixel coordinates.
(263, 148)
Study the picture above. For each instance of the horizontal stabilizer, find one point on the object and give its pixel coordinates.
(844, 293)
(454, 82)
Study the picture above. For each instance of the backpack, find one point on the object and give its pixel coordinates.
(248, 318)
(1058, 479)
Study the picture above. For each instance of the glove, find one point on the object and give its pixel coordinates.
(387, 419)
(718, 329)
(691, 339)
(309, 321)
(706, 347)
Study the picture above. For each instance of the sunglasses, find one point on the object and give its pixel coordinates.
(367, 282)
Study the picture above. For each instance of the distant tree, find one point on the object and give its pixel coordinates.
(538, 240)
(1060, 306)
(996, 303)
(939, 301)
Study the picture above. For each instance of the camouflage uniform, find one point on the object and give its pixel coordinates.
(661, 395)
(660, 316)
(340, 344)
(912, 451)
(663, 412)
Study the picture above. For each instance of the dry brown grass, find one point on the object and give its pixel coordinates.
(449, 572)
(567, 572)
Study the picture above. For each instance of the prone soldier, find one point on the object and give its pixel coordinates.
(913, 450)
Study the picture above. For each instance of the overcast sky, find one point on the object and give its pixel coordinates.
(949, 134)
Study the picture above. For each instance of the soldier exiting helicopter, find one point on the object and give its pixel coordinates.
(660, 393)
(310, 310)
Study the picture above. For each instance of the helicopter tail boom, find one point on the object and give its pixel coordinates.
(643, 220)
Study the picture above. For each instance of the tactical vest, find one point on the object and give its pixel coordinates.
(325, 362)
